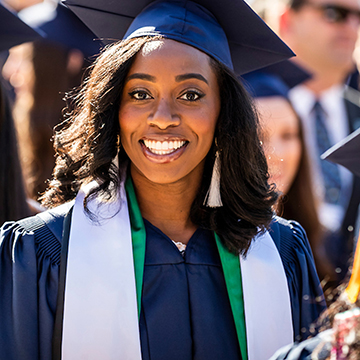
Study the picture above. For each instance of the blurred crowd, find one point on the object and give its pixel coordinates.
(323, 35)
(305, 106)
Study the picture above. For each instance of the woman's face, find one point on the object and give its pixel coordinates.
(281, 138)
(168, 112)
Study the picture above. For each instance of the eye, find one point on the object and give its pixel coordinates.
(290, 136)
(140, 95)
(191, 96)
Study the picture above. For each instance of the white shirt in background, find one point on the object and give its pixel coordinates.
(337, 125)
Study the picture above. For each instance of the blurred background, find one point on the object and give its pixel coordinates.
(298, 123)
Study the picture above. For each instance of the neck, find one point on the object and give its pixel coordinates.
(323, 78)
(167, 206)
(320, 84)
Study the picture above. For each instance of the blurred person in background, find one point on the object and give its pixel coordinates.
(41, 72)
(340, 338)
(18, 5)
(286, 153)
(323, 34)
(13, 202)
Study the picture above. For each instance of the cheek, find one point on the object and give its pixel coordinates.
(202, 123)
(208, 133)
(292, 158)
(206, 125)
(286, 153)
(210, 117)
(294, 150)
(127, 126)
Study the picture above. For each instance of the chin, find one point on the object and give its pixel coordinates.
(161, 177)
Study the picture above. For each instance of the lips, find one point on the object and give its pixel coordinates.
(164, 151)
(163, 147)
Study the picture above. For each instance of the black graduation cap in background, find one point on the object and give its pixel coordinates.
(290, 73)
(14, 31)
(275, 80)
(346, 152)
(61, 26)
(252, 44)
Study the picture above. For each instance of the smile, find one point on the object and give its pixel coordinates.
(163, 147)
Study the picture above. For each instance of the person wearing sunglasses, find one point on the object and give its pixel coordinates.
(323, 34)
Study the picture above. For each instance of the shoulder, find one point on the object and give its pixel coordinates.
(42, 233)
(288, 235)
(294, 249)
(52, 219)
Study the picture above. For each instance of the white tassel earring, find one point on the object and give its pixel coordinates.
(118, 142)
(213, 196)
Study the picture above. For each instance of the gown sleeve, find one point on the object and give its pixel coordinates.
(307, 299)
(28, 292)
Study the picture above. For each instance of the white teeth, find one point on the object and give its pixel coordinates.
(163, 147)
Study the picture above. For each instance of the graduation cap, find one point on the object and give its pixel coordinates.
(13, 31)
(275, 80)
(61, 26)
(346, 152)
(228, 30)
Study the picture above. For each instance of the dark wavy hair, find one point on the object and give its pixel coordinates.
(13, 204)
(85, 147)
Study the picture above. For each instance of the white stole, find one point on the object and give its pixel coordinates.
(267, 303)
(100, 306)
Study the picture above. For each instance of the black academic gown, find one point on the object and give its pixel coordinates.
(190, 298)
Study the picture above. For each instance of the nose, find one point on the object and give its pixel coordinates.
(164, 115)
(353, 22)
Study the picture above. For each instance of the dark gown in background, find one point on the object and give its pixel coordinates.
(185, 310)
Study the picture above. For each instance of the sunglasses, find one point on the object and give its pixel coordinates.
(335, 13)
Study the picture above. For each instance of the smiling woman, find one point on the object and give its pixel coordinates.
(160, 129)
(171, 95)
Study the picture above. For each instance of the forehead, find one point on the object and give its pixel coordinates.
(173, 54)
(276, 108)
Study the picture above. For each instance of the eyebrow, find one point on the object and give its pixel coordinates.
(178, 78)
(141, 76)
(190, 76)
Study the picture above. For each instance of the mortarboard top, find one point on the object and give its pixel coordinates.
(228, 30)
(275, 80)
(14, 31)
(61, 26)
(346, 153)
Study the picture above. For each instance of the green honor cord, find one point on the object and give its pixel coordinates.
(230, 263)
(232, 273)
(138, 235)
